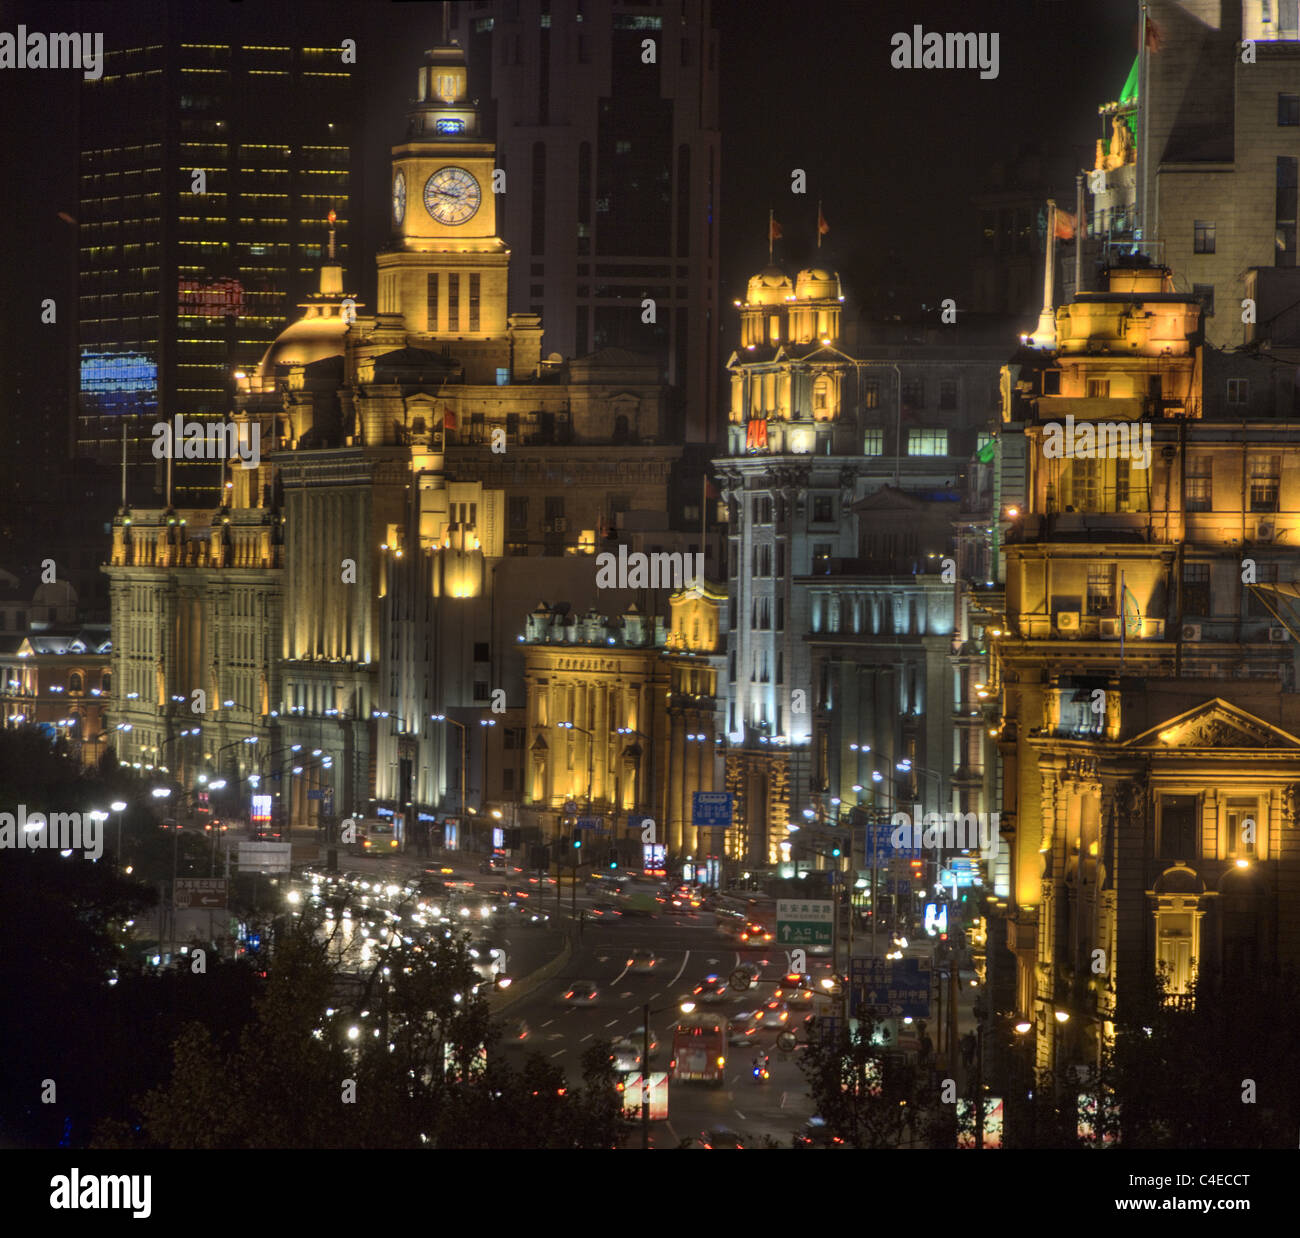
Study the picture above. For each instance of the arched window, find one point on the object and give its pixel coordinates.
(75, 682)
(108, 681)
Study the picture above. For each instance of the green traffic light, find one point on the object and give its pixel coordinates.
(577, 842)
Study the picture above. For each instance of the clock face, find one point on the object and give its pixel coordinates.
(399, 197)
(452, 196)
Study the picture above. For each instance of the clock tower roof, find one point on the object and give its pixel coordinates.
(442, 110)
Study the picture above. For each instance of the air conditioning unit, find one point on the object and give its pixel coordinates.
(1264, 531)
(1110, 629)
(1278, 634)
(1191, 631)
(1067, 621)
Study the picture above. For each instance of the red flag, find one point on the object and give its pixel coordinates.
(822, 226)
(756, 434)
(710, 490)
(773, 230)
(1154, 37)
(1065, 224)
(448, 418)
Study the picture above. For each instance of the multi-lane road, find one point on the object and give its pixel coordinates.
(688, 947)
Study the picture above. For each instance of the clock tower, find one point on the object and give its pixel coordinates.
(445, 271)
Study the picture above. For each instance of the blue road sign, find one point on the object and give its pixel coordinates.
(890, 987)
(884, 848)
(711, 808)
(595, 824)
(316, 793)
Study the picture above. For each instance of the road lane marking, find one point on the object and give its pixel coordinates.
(676, 978)
(611, 1023)
(560, 1054)
(588, 1036)
(548, 1022)
(741, 1116)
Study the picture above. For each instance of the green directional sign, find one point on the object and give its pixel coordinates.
(804, 922)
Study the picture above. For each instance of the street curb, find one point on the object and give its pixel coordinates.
(498, 1003)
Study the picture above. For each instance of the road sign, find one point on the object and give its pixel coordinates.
(711, 808)
(883, 833)
(570, 808)
(199, 893)
(890, 987)
(740, 979)
(595, 824)
(804, 922)
(264, 857)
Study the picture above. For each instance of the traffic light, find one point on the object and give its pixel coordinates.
(835, 851)
(613, 857)
(577, 841)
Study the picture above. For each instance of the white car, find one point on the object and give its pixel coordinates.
(626, 1055)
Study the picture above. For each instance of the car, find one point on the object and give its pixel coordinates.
(755, 935)
(711, 989)
(493, 864)
(377, 838)
(774, 1013)
(580, 992)
(816, 1134)
(720, 1137)
(796, 989)
(643, 962)
(602, 911)
(638, 1035)
(626, 1055)
(746, 1028)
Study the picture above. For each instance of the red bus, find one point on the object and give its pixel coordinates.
(699, 1049)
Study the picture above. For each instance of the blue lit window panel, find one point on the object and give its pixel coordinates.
(450, 125)
(114, 383)
(503, 376)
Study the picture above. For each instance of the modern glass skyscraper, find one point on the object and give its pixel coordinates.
(208, 171)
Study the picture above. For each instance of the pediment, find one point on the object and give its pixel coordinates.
(1213, 725)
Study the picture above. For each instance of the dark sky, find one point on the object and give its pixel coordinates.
(893, 154)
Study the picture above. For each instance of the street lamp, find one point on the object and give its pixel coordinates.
(646, 1012)
(119, 807)
(464, 746)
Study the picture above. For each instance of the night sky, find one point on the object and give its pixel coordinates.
(894, 154)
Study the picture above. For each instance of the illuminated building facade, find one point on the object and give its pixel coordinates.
(183, 281)
(819, 422)
(614, 172)
(1146, 672)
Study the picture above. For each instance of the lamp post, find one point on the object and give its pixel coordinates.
(591, 744)
(464, 745)
(484, 724)
(119, 807)
(646, 1012)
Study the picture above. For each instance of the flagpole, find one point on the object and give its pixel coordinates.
(1080, 231)
(770, 216)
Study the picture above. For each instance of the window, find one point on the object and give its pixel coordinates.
(873, 443)
(1238, 391)
(927, 442)
(1203, 237)
(518, 512)
(453, 301)
(1241, 824)
(1288, 109)
(780, 558)
(762, 560)
(1287, 167)
(1178, 815)
(1101, 589)
(983, 439)
(821, 558)
(481, 651)
(1196, 589)
(1204, 293)
(823, 509)
(1099, 388)
(762, 509)
(473, 301)
(503, 379)
(822, 396)
(1051, 383)
(74, 682)
(913, 393)
(1265, 482)
(948, 393)
(1082, 486)
(431, 301)
(1198, 491)
(871, 393)
(780, 623)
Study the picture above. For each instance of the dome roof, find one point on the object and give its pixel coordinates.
(312, 338)
(817, 283)
(771, 286)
